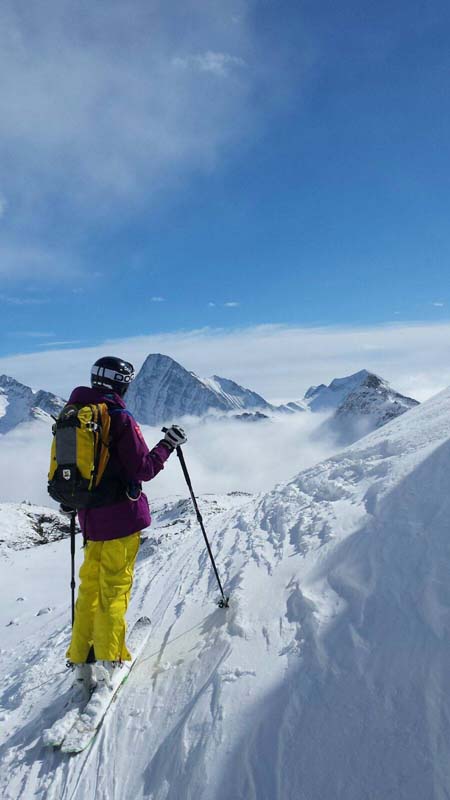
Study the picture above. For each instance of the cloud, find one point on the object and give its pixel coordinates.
(27, 451)
(157, 299)
(262, 454)
(232, 304)
(32, 334)
(60, 344)
(439, 304)
(18, 261)
(219, 64)
(279, 362)
(22, 301)
(120, 100)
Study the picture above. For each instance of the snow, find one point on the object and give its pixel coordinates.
(361, 403)
(164, 391)
(326, 398)
(20, 403)
(23, 525)
(3, 404)
(326, 679)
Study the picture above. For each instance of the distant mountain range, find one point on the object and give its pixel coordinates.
(165, 392)
(19, 403)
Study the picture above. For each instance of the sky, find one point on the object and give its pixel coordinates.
(170, 168)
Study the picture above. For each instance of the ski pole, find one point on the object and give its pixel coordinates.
(72, 560)
(223, 602)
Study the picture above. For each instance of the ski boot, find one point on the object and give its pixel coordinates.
(105, 671)
(85, 677)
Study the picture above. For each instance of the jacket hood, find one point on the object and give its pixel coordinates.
(85, 394)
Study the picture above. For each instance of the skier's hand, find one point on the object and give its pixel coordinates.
(174, 436)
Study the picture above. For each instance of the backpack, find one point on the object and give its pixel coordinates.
(80, 456)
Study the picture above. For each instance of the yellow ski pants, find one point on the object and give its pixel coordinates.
(106, 577)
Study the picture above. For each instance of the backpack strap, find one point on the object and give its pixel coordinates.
(119, 409)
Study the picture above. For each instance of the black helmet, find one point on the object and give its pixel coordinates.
(112, 373)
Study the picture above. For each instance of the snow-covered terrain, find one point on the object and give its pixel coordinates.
(326, 679)
(164, 391)
(23, 525)
(329, 398)
(360, 404)
(19, 403)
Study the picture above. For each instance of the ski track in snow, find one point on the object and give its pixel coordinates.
(327, 678)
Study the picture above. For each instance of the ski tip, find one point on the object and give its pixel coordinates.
(142, 621)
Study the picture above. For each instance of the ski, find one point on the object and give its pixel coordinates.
(77, 699)
(74, 732)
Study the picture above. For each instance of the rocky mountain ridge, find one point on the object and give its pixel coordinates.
(20, 403)
(360, 403)
(164, 392)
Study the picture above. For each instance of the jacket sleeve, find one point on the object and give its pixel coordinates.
(138, 462)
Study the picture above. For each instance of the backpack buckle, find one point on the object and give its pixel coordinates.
(92, 426)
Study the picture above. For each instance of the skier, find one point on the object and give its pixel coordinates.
(112, 532)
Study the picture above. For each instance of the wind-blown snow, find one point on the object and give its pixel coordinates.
(326, 679)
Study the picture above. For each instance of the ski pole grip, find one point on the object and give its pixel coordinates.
(177, 448)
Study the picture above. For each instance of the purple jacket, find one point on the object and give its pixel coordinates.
(132, 460)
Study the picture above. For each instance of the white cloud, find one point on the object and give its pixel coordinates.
(277, 361)
(219, 64)
(262, 454)
(11, 300)
(19, 261)
(439, 304)
(231, 304)
(24, 462)
(157, 299)
(33, 334)
(60, 344)
(95, 105)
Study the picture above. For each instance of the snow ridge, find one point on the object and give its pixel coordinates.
(20, 403)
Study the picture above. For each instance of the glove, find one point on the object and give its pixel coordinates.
(174, 436)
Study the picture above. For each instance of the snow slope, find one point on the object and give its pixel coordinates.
(23, 525)
(327, 679)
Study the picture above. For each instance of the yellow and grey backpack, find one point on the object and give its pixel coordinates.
(79, 457)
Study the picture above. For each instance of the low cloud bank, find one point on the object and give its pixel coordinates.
(222, 456)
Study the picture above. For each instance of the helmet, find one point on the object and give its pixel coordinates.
(112, 373)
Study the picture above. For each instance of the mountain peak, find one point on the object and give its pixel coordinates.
(19, 403)
(327, 398)
(165, 391)
(160, 361)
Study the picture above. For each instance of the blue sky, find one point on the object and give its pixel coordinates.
(171, 166)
